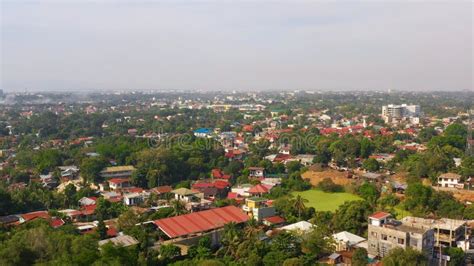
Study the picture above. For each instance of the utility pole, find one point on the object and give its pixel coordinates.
(439, 246)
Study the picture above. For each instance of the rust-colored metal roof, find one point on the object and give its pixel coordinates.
(89, 209)
(200, 221)
(257, 189)
(33, 215)
(56, 222)
(118, 180)
(275, 219)
(216, 173)
(379, 215)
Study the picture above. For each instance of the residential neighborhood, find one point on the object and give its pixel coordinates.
(236, 133)
(365, 184)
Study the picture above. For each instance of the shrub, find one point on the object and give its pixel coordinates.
(327, 185)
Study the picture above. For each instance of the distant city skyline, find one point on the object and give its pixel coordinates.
(184, 45)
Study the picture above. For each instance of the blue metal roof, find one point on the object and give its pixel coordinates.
(203, 130)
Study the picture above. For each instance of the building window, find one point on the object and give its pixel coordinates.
(384, 237)
(401, 241)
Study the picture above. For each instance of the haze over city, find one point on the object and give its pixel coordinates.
(236, 133)
(141, 45)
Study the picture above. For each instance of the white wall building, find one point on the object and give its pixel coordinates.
(451, 180)
(392, 111)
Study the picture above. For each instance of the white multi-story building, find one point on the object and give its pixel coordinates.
(400, 111)
(411, 110)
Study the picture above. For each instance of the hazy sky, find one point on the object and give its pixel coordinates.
(79, 45)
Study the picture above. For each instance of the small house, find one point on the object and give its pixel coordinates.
(450, 180)
(273, 220)
(185, 195)
(258, 209)
(258, 190)
(131, 199)
(346, 240)
(256, 172)
(85, 201)
(118, 183)
(203, 132)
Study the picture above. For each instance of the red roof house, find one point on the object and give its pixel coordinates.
(273, 220)
(216, 173)
(221, 184)
(219, 187)
(112, 232)
(118, 180)
(88, 210)
(258, 189)
(281, 157)
(56, 222)
(118, 183)
(247, 128)
(133, 190)
(233, 195)
(198, 222)
(34, 215)
(380, 215)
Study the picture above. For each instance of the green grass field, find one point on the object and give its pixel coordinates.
(322, 201)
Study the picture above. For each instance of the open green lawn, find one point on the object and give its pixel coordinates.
(323, 201)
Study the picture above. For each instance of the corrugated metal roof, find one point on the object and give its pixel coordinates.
(123, 240)
(200, 221)
(274, 219)
(183, 191)
(257, 189)
(379, 215)
(113, 169)
(118, 180)
(33, 215)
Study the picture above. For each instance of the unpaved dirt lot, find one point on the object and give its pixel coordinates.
(337, 177)
(462, 195)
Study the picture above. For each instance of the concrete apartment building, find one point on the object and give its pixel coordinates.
(392, 111)
(447, 232)
(386, 233)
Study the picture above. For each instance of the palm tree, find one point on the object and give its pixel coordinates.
(178, 207)
(251, 229)
(299, 205)
(230, 238)
(168, 197)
